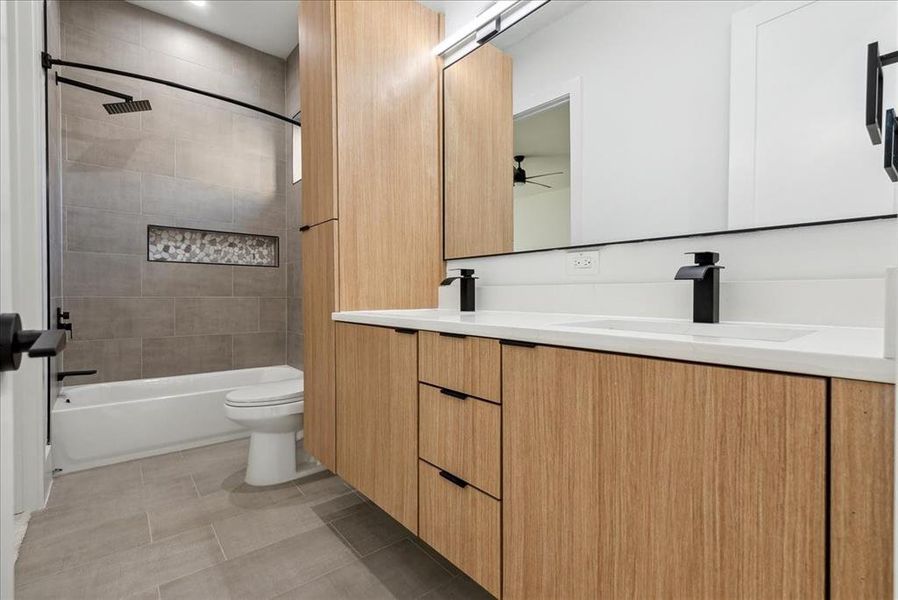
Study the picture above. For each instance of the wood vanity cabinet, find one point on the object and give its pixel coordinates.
(627, 477)
(377, 417)
(371, 220)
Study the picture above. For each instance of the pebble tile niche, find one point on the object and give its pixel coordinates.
(182, 245)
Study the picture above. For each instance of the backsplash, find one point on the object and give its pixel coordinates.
(823, 275)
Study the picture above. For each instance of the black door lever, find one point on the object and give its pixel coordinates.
(37, 343)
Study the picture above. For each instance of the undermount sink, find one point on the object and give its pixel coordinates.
(764, 333)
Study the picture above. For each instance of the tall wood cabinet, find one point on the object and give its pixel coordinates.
(370, 94)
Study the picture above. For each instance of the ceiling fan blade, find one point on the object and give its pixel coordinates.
(539, 184)
(546, 174)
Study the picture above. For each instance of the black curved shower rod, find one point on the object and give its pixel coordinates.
(49, 62)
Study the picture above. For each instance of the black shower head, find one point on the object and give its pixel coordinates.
(128, 106)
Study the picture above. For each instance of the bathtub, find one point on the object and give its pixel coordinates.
(104, 423)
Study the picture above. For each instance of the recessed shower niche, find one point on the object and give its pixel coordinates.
(184, 245)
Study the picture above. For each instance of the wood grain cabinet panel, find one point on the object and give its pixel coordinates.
(461, 435)
(317, 92)
(628, 477)
(319, 252)
(479, 132)
(389, 160)
(377, 417)
(462, 524)
(464, 364)
(862, 452)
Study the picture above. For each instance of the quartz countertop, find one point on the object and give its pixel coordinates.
(829, 351)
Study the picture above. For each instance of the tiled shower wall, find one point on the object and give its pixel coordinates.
(191, 162)
(294, 204)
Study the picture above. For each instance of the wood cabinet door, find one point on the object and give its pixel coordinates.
(628, 477)
(389, 158)
(479, 140)
(317, 91)
(319, 248)
(377, 417)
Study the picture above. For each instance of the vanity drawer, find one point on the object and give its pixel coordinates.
(462, 363)
(461, 435)
(462, 524)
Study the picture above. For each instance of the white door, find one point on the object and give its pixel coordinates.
(799, 151)
(22, 267)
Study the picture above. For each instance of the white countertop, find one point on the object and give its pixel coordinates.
(849, 352)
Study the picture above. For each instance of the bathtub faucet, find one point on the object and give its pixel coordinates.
(60, 375)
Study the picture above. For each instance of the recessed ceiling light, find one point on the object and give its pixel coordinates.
(198, 2)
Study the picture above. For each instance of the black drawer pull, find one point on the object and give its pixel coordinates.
(452, 335)
(454, 394)
(453, 479)
(517, 343)
(305, 228)
(404, 330)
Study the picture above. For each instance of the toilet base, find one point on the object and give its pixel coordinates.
(272, 458)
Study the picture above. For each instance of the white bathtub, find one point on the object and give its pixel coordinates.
(103, 423)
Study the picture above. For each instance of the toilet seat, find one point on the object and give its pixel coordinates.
(267, 394)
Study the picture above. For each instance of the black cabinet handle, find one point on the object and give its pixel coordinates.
(454, 394)
(454, 479)
(452, 335)
(404, 330)
(517, 343)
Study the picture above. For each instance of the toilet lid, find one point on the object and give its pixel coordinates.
(277, 392)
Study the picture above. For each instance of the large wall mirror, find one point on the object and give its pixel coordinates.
(597, 122)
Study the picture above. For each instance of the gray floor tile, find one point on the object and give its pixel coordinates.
(224, 475)
(52, 554)
(62, 519)
(406, 570)
(352, 582)
(166, 492)
(255, 529)
(443, 562)
(338, 507)
(460, 588)
(122, 573)
(163, 467)
(370, 529)
(222, 504)
(266, 572)
(88, 487)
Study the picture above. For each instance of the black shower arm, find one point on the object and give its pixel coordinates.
(93, 88)
(873, 112)
(49, 62)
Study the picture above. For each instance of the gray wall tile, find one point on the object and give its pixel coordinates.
(272, 314)
(259, 349)
(91, 230)
(294, 315)
(173, 280)
(216, 315)
(93, 274)
(108, 145)
(184, 355)
(108, 318)
(295, 350)
(190, 162)
(161, 195)
(114, 360)
(101, 187)
(260, 281)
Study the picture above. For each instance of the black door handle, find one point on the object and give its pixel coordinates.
(14, 341)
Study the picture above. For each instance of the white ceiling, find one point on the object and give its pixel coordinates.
(267, 25)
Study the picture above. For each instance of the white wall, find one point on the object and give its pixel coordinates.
(820, 275)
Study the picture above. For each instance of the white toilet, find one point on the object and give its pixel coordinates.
(273, 414)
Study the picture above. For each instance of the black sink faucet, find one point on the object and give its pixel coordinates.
(466, 280)
(705, 276)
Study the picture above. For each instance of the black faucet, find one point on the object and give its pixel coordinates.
(60, 375)
(705, 276)
(466, 278)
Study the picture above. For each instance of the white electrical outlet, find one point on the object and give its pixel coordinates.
(582, 263)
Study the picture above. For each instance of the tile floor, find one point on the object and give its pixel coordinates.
(185, 526)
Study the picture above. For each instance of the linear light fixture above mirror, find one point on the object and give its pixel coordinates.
(495, 19)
